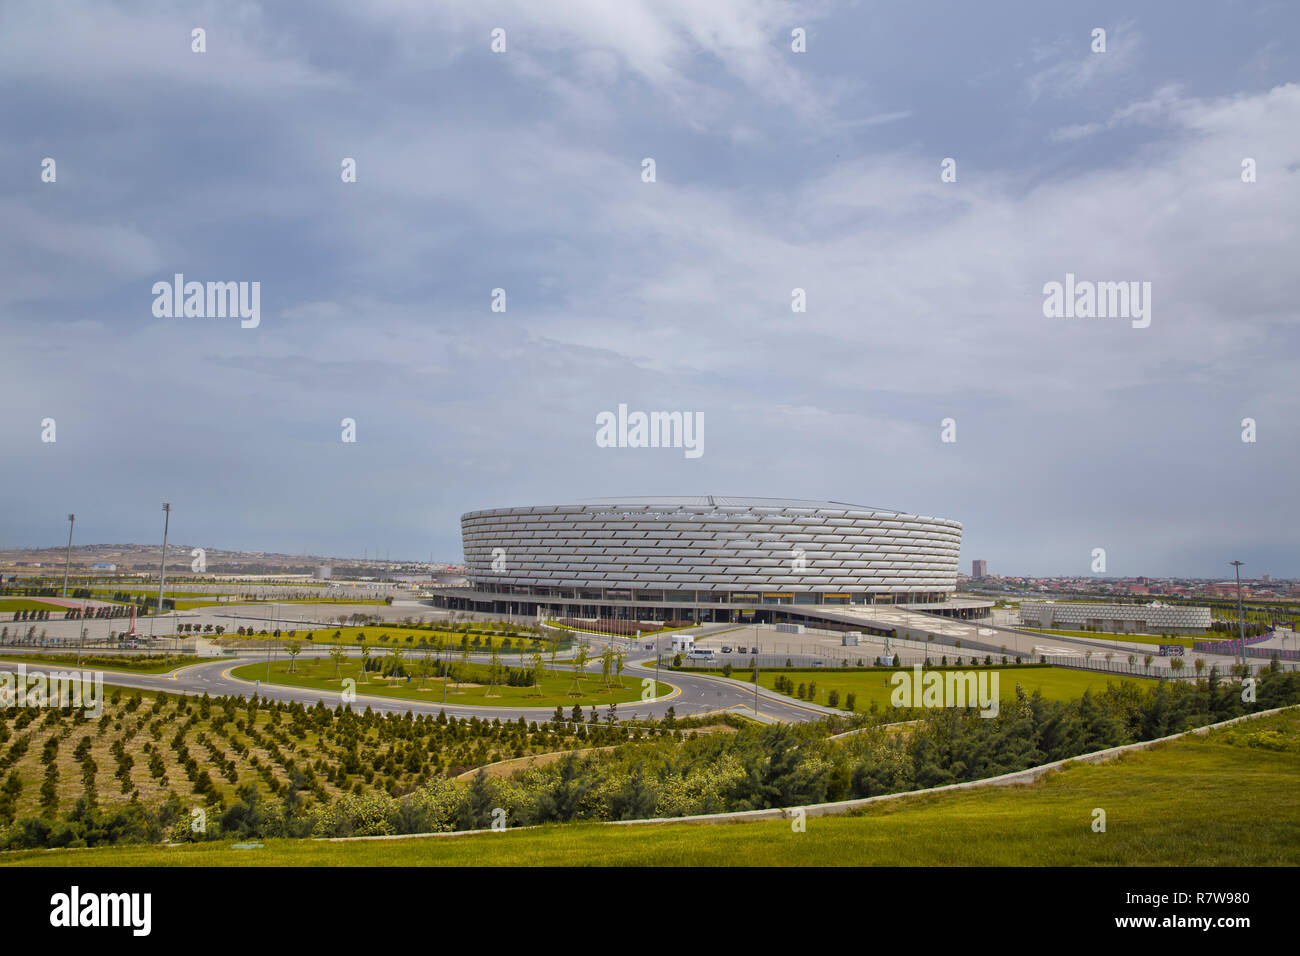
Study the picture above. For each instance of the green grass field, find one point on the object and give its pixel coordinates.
(648, 632)
(99, 661)
(319, 600)
(1131, 638)
(1055, 683)
(1179, 804)
(318, 673)
(387, 636)
(11, 604)
(106, 594)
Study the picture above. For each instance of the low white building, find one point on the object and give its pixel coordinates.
(1116, 618)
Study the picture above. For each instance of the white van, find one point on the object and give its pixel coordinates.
(701, 654)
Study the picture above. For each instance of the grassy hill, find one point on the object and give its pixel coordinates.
(1230, 798)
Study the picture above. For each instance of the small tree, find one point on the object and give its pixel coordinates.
(606, 665)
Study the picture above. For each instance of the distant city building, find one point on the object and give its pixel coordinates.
(979, 568)
(1268, 579)
(324, 572)
(1116, 618)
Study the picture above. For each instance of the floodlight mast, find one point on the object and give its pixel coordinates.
(1241, 621)
(162, 569)
(67, 561)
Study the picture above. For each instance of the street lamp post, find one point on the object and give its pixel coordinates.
(67, 561)
(1241, 621)
(658, 653)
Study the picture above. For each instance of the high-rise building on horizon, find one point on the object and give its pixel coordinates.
(979, 568)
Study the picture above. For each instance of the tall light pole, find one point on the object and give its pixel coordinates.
(162, 569)
(1241, 621)
(658, 654)
(67, 561)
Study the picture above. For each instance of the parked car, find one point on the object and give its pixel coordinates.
(727, 650)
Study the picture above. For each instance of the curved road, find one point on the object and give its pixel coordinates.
(692, 695)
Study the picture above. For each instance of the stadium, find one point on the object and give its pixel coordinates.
(703, 559)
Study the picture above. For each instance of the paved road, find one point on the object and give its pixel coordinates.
(691, 695)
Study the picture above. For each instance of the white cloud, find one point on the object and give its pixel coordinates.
(104, 49)
(1075, 72)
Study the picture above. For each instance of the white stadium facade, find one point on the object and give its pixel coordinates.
(704, 559)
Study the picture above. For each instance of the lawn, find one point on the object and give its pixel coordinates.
(1131, 638)
(873, 686)
(10, 604)
(385, 636)
(649, 631)
(319, 600)
(470, 687)
(106, 594)
(1178, 804)
(98, 661)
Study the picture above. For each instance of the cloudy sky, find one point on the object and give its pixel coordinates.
(774, 170)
